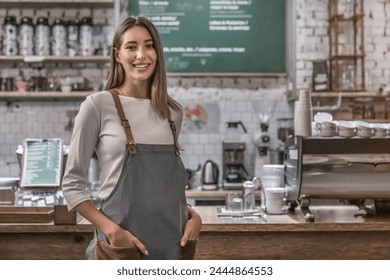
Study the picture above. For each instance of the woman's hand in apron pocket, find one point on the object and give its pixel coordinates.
(120, 237)
(192, 227)
(189, 239)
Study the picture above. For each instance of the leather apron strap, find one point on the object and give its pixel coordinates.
(125, 123)
(173, 128)
(126, 126)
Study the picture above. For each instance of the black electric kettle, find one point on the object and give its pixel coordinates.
(210, 175)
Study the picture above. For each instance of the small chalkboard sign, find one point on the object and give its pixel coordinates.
(42, 163)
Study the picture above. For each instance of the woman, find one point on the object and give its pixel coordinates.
(143, 179)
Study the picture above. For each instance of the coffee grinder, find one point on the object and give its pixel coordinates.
(262, 139)
(234, 173)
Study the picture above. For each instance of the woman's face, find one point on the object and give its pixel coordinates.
(137, 54)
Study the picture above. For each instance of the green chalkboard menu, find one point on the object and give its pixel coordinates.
(42, 163)
(235, 37)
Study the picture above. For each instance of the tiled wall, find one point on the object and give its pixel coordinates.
(45, 119)
(235, 96)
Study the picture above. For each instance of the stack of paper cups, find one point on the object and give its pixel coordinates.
(303, 114)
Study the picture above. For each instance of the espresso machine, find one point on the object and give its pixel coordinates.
(233, 168)
(355, 171)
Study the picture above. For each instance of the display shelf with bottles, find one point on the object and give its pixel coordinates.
(346, 45)
(54, 58)
(48, 95)
(54, 3)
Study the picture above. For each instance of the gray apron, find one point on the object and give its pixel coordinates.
(149, 197)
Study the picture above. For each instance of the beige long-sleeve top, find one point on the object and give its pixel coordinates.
(98, 128)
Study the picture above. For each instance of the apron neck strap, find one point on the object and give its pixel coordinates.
(126, 126)
(131, 146)
(174, 132)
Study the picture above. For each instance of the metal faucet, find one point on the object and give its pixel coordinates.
(257, 179)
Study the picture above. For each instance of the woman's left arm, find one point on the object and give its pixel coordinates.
(192, 227)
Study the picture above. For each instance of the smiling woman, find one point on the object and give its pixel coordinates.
(138, 58)
(133, 128)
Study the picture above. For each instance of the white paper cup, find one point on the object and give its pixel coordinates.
(275, 202)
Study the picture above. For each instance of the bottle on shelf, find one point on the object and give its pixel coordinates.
(59, 38)
(10, 29)
(42, 35)
(86, 42)
(73, 37)
(26, 36)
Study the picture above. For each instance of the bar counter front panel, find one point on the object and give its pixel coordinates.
(336, 234)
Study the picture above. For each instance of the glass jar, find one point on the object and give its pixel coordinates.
(347, 77)
(86, 42)
(26, 36)
(10, 28)
(59, 40)
(42, 35)
(248, 195)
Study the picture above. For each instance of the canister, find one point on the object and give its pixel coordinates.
(26, 36)
(42, 35)
(10, 29)
(248, 195)
(59, 38)
(73, 37)
(86, 42)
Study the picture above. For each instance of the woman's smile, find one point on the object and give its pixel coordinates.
(137, 54)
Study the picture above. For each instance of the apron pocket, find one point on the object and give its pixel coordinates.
(105, 251)
(188, 251)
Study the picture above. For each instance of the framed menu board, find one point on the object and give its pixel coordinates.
(227, 37)
(42, 163)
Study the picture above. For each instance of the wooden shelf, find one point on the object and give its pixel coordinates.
(39, 95)
(55, 3)
(346, 57)
(38, 59)
(341, 17)
(355, 94)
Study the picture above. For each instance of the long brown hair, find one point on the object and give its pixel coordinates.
(160, 99)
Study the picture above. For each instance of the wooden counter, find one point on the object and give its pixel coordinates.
(199, 197)
(336, 234)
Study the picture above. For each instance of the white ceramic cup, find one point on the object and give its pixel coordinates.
(346, 129)
(364, 132)
(380, 130)
(327, 129)
(275, 200)
(364, 129)
(270, 182)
